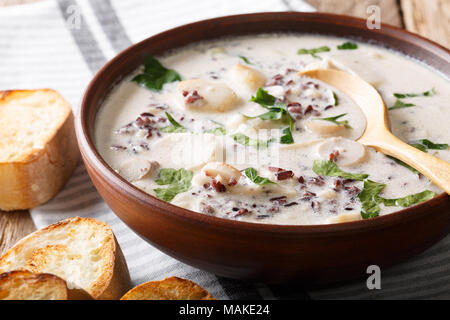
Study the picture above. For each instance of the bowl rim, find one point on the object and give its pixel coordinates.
(92, 156)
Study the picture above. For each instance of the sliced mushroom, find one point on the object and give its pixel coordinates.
(343, 151)
(226, 172)
(345, 217)
(327, 63)
(137, 169)
(324, 128)
(208, 96)
(250, 77)
(186, 200)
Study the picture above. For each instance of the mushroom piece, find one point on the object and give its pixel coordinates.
(343, 151)
(226, 172)
(137, 169)
(208, 96)
(250, 77)
(324, 128)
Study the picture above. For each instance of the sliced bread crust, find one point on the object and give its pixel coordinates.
(172, 288)
(38, 148)
(82, 251)
(24, 285)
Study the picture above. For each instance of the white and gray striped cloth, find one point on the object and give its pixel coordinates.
(43, 45)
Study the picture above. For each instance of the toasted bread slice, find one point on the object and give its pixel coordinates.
(82, 251)
(38, 148)
(173, 288)
(25, 285)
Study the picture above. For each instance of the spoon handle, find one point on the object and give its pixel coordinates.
(437, 170)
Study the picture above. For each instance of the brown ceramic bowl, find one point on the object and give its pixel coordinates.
(268, 253)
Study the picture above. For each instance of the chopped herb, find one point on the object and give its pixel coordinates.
(369, 215)
(219, 131)
(252, 174)
(247, 141)
(263, 98)
(400, 104)
(404, 164)
(273, 114)
(427, 144)
(245, 59)
(277, 111)
(330, 169)
(335, 99)
(418, 146)
(348, 46)
(334, 120)
(175, 127)
(423, 145)
(369, 198)
(155, 75)
(287, 138)
(428, 93)
(178, 181)
(408, 200)
(313, 52)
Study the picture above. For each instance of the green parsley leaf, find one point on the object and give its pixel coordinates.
(369, 215)
(400, 104)
(330, 169)
(287, 137)
(277, 111)
(368, 197)
(263, 98)
(252, 174)
(427, 144)
(423, 145)
(404, 164)
(155, 75)
(408, 200)
(334, 120)
(247, 141)
(219, 131)
(245, 59)
(348, 46)
(313, 52)
(272, 114)
(175, 127)
(428, 93)
(178, 181)
(336, 99)
(419, 146)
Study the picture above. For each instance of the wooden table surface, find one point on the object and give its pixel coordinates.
(430, 18)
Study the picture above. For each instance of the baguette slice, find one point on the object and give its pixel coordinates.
(25, 285)
(172, 288)
(38, 148)
(82, 251)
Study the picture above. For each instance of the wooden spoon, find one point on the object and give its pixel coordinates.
(377, 133)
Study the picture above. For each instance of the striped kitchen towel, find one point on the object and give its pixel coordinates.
(44, 45)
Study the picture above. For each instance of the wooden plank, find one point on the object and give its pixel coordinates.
(430, 18)
(13, 227)
(390, 10)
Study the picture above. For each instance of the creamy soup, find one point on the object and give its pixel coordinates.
(228, 128)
